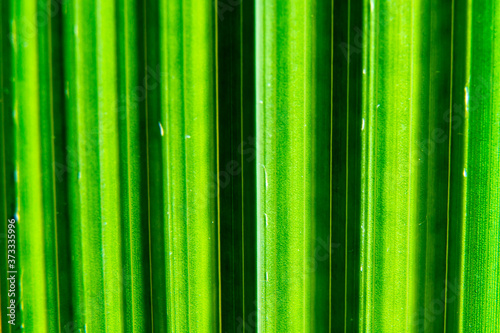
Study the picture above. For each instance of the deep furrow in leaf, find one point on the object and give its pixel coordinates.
(153, 73)
(346, 159)
(236, 85)
(53, 165)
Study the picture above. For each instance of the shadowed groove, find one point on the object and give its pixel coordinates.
(236, 161)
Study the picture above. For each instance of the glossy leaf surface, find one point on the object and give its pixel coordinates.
(249, 166)
(404, 158)
(474, 253)
(292, 174)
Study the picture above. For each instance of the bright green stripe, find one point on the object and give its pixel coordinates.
(85, 212)
(132, 179)
(475, 200)
(83, 140)
(83, 160)
(30, 226)
(107, 91)
(290, 113)
(188, 129)
(30, 215)
(92, 95)
(175, 178)
(402, 230)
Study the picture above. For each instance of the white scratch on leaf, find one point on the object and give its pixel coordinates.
(265, 173)
(466, 90)
(161, 128)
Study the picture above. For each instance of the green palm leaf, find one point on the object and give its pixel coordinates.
(292, 160)
(404, 154)
(243, 166)
(29, 109)
(474, 253)
(188, 127)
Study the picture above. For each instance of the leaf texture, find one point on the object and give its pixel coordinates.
(249, 166)
(404, 141)
(189, 141)
(292, 137)
(473, 260)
